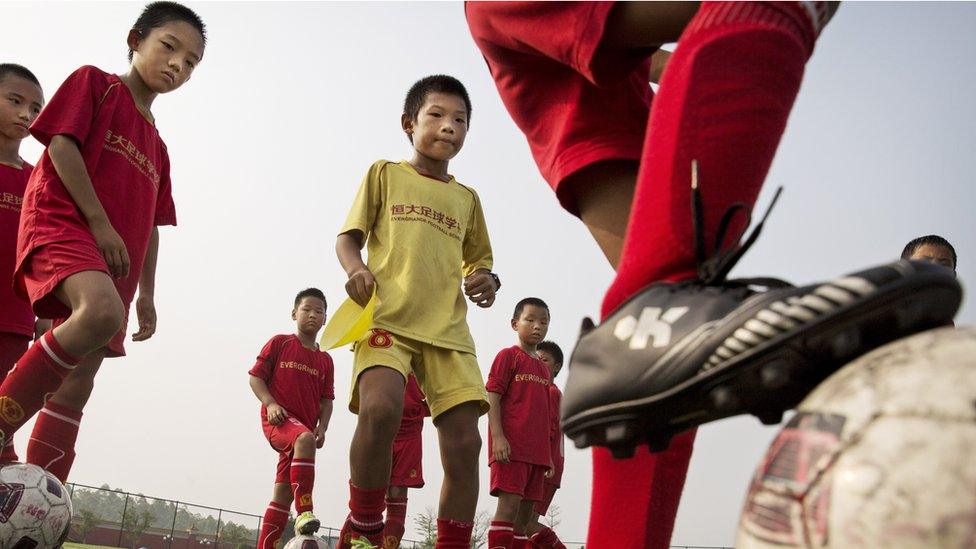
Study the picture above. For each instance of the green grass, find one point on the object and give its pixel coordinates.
(72, 545)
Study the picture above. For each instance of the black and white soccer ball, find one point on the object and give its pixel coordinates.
(35, 508)
(880, 455)
(306, 542)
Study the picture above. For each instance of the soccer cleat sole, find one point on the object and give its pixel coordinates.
(310, 527)
(773, 377)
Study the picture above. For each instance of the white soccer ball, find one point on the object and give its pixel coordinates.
(881, 455)
(306, 542)
(35, 508)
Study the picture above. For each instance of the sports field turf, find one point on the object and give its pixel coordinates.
(71, 545)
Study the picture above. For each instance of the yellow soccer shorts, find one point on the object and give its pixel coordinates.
(448, 377)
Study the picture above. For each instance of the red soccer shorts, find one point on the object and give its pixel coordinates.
(548, 491)
(12, 347)
(408, 467)
(518, 477)
(575, 104)
(48, 266)
(282, 438)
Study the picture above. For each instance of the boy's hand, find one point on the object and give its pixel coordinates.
(549, 472)
(319, 436)
(480, 289)
(112, 247)
(276, 414)
(500, 449)
(146, 313)
(360, 286)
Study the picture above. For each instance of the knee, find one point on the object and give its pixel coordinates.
(381, 415)
(466, 443)
(305, 443)
(103, 316)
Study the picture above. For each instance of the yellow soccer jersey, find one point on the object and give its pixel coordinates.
(422, 237)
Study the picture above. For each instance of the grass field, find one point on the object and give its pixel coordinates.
(70, 545)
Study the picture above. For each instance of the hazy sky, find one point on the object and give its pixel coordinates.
(294, 101)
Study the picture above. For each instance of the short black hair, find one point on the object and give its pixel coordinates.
(528, 301)
(18, 70)
(551, 348)
(311, 292)
(435, 83)
(931, 239)
(157, 14)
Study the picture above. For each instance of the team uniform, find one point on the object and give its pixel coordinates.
(408, 446)
(16, 317)
(523, 382)
(128, 164)
(557, 449)
(422, 236)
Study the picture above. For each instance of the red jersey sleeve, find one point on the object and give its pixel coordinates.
(328, 380)
(165, 209)
(73, 107)
(265, 363)
(501, 372)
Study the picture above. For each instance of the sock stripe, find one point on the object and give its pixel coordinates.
(501, 528)
(62, 417)
(275, 507)
(54, 356)
(298, 463)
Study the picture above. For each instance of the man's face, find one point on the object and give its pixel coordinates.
(933, 253)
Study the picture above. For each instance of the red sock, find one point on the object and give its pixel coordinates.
(273, 525)
(724, 101)
(453, 534)
(500, 535)
(302, 479)
(520, 541)
(52, 444)
(396, 517)
(365, 518)
(38, 372)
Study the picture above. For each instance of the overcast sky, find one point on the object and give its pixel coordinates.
(294, 101)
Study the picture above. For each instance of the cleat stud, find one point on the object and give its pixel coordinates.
(582, 440)
(623, 451)
(775, 375)
(620, 432)
(770, 417)
(724, 400)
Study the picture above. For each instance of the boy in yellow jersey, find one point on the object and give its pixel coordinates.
(424, 234)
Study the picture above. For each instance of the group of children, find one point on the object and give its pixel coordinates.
(86, 223)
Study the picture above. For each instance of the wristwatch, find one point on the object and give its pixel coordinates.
(498, 282)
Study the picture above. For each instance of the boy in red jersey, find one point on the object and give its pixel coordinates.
(293, 379)
(428, 248)
(518, 427)
(87, 237)
(21, 100)
(629, 169)
(541, 536)
(407, 470)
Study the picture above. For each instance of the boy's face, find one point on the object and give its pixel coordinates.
(20, 102)
(309, 315)
(554, 367)
(933, 253)
(166, 56)
(440, 128)
(532, 325)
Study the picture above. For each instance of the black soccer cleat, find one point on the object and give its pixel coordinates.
(675, 356)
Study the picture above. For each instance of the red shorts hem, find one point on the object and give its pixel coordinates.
(576, 158)
(408, 467)
(518, 477)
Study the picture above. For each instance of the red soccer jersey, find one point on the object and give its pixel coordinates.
(126, 160)
(523, 383)
(556, 441)
(414, 410)
(298, 378)
(15, 313)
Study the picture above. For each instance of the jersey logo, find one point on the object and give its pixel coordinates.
(381, 339)
(10, 410)
(652, 325)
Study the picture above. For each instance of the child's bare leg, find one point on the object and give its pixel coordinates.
(77, 387)
(304, 446)
(460, 445)
(97, 312)
(396, 492)
(524, 515)
(380, 407)
(603, 193)
(508, 507)
(282, 494)
(534, 524)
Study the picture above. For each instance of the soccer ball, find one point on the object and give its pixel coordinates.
(306, 542)
(35, 509)
(879, 455)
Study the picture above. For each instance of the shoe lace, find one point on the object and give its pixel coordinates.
(712, 271)
(362, 543)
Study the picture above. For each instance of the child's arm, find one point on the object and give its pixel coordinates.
(276, 414)
(500, 448)
(70, 166)
(360, 286)
(325, 414)
(145, 305)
